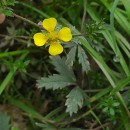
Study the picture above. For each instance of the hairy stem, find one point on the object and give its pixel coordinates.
(27, 20)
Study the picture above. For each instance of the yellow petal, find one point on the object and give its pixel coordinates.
(49, 24)
(55, 48)
(39, 39)
(65, 34)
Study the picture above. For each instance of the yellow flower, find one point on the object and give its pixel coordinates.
(52, 36)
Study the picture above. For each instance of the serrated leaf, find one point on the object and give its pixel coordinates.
(55, 82)
(62, 68)
(71, 55)
(83, 59)
(74, 100)
(4, 122)
(69, 45)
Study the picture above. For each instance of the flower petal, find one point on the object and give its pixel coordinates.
(49, 24)
(65, 34)
(39, 39)
(55, 48)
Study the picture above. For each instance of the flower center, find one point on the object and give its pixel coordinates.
(52, 36)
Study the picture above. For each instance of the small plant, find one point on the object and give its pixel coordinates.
(5, 7)
(109, 106)
(83, 82)
(52, 36)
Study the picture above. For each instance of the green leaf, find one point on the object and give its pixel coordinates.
(3, 2)
(112, 112)
(55, 82)
(62, 68)
(121, 84)
(12, 2)
(71, 55)
(105, 109)
(14, 128)
(74, 100)
(4, 121)
(126, 5)
(45, 126)
(83, 59)
(116, 104)
(8, 12)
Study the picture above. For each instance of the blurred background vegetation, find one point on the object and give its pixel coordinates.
(87, 87)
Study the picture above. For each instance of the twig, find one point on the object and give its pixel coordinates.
(27, 20)
(24, 37)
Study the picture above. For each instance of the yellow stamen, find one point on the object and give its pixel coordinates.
(52, 36)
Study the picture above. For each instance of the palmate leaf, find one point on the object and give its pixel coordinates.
(74, 100)
(62, 68)
(83, 59)
(65, 78)
(55, 82)
(4, 121)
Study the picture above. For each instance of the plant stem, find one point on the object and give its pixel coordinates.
(9, 76)
(27, 20)
(24, 37)
(84, 14)
(13, 53)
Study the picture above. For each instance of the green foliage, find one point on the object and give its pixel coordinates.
(62, 67)
(82, 57)
(78, 52)
(74, 100)
(14, 128)
(4, 121)
(103, 46)
(109, 106)
(20, 64)
(94, 29)
(55, 82)
(8, 2)
(92, 32)
(65, 78)
(5, 6)
(45, 126)
(71, 55)
(49, 127)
